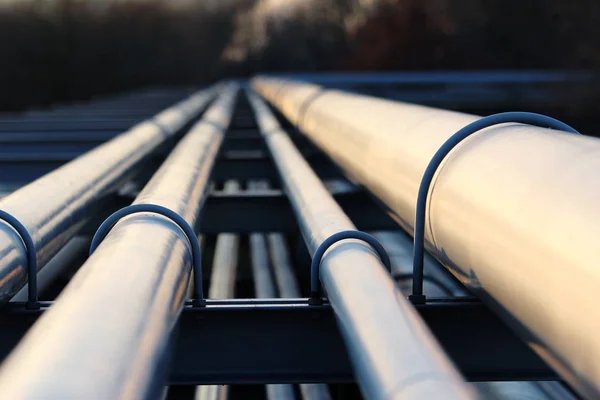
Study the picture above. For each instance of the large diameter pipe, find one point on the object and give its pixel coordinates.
(107, 334)
(393, 353)
(513, 211)
(54, 207)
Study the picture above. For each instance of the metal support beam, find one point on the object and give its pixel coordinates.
(56, 206)
(287, 341)
(127, 297)
(264, 287)
(513, 211)
(222, 286)
(392, 352)
(57, 266)
(257, 165)
(245, 212)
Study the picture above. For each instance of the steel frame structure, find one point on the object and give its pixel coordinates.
(285, 340)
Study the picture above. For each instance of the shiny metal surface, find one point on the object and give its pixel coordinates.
(283, 392)
(523, 391)
(222, 286)
(107, 335)
(512, 213)
(399, 248)
(437, 283)
(264, 287)
(393, 353)
(211, 393)
(57, 266)
(282, 266)
(54, 207)
(222, 280)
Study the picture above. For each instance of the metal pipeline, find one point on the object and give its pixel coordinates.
(439, 285)
(512, 213)
(222, 281)
(57, 266)
(399, 246)
(437, 282)
(265, 288)
(54, 207)
(222, 286)
(107, 334)
(393, 353)
(273, 245)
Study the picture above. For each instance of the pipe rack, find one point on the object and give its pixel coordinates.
(222, 287)
(127, 297)
(56, 206)
(512, 212)
(393, 353)
(263, 247)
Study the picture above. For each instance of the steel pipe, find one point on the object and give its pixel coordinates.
(57, 266)
(393, 353)
(512, 213)
(222, 286)
(54, 207)
(263, 247)
(288, 287)
(107, 335)
(265, 288)
(222, 280)
(399, 248)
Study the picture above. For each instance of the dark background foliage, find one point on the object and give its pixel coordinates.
(66, 50)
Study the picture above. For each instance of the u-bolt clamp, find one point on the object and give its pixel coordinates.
(315, 284)
(173, 216)
(32, 294)
(539, 120)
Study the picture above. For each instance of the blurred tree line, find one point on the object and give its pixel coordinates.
(61, 50)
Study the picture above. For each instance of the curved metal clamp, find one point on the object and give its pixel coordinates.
(539, 120)
(315, 285)
(32, 295)
(173, 216)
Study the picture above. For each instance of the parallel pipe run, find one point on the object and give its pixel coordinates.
(261, 247)
(512, 211)
(287, 285)
(264, 287)
(315, 287)
(127, 297)
(53, 208)
(57, 266)
(222, 286)
(171, 215)
(393, 353)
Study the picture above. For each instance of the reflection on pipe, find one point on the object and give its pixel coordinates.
(54, 207)
(58, 265)
(392, 351)
(222, 286)
(512, 213)
(288, 287)
(127, 297)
